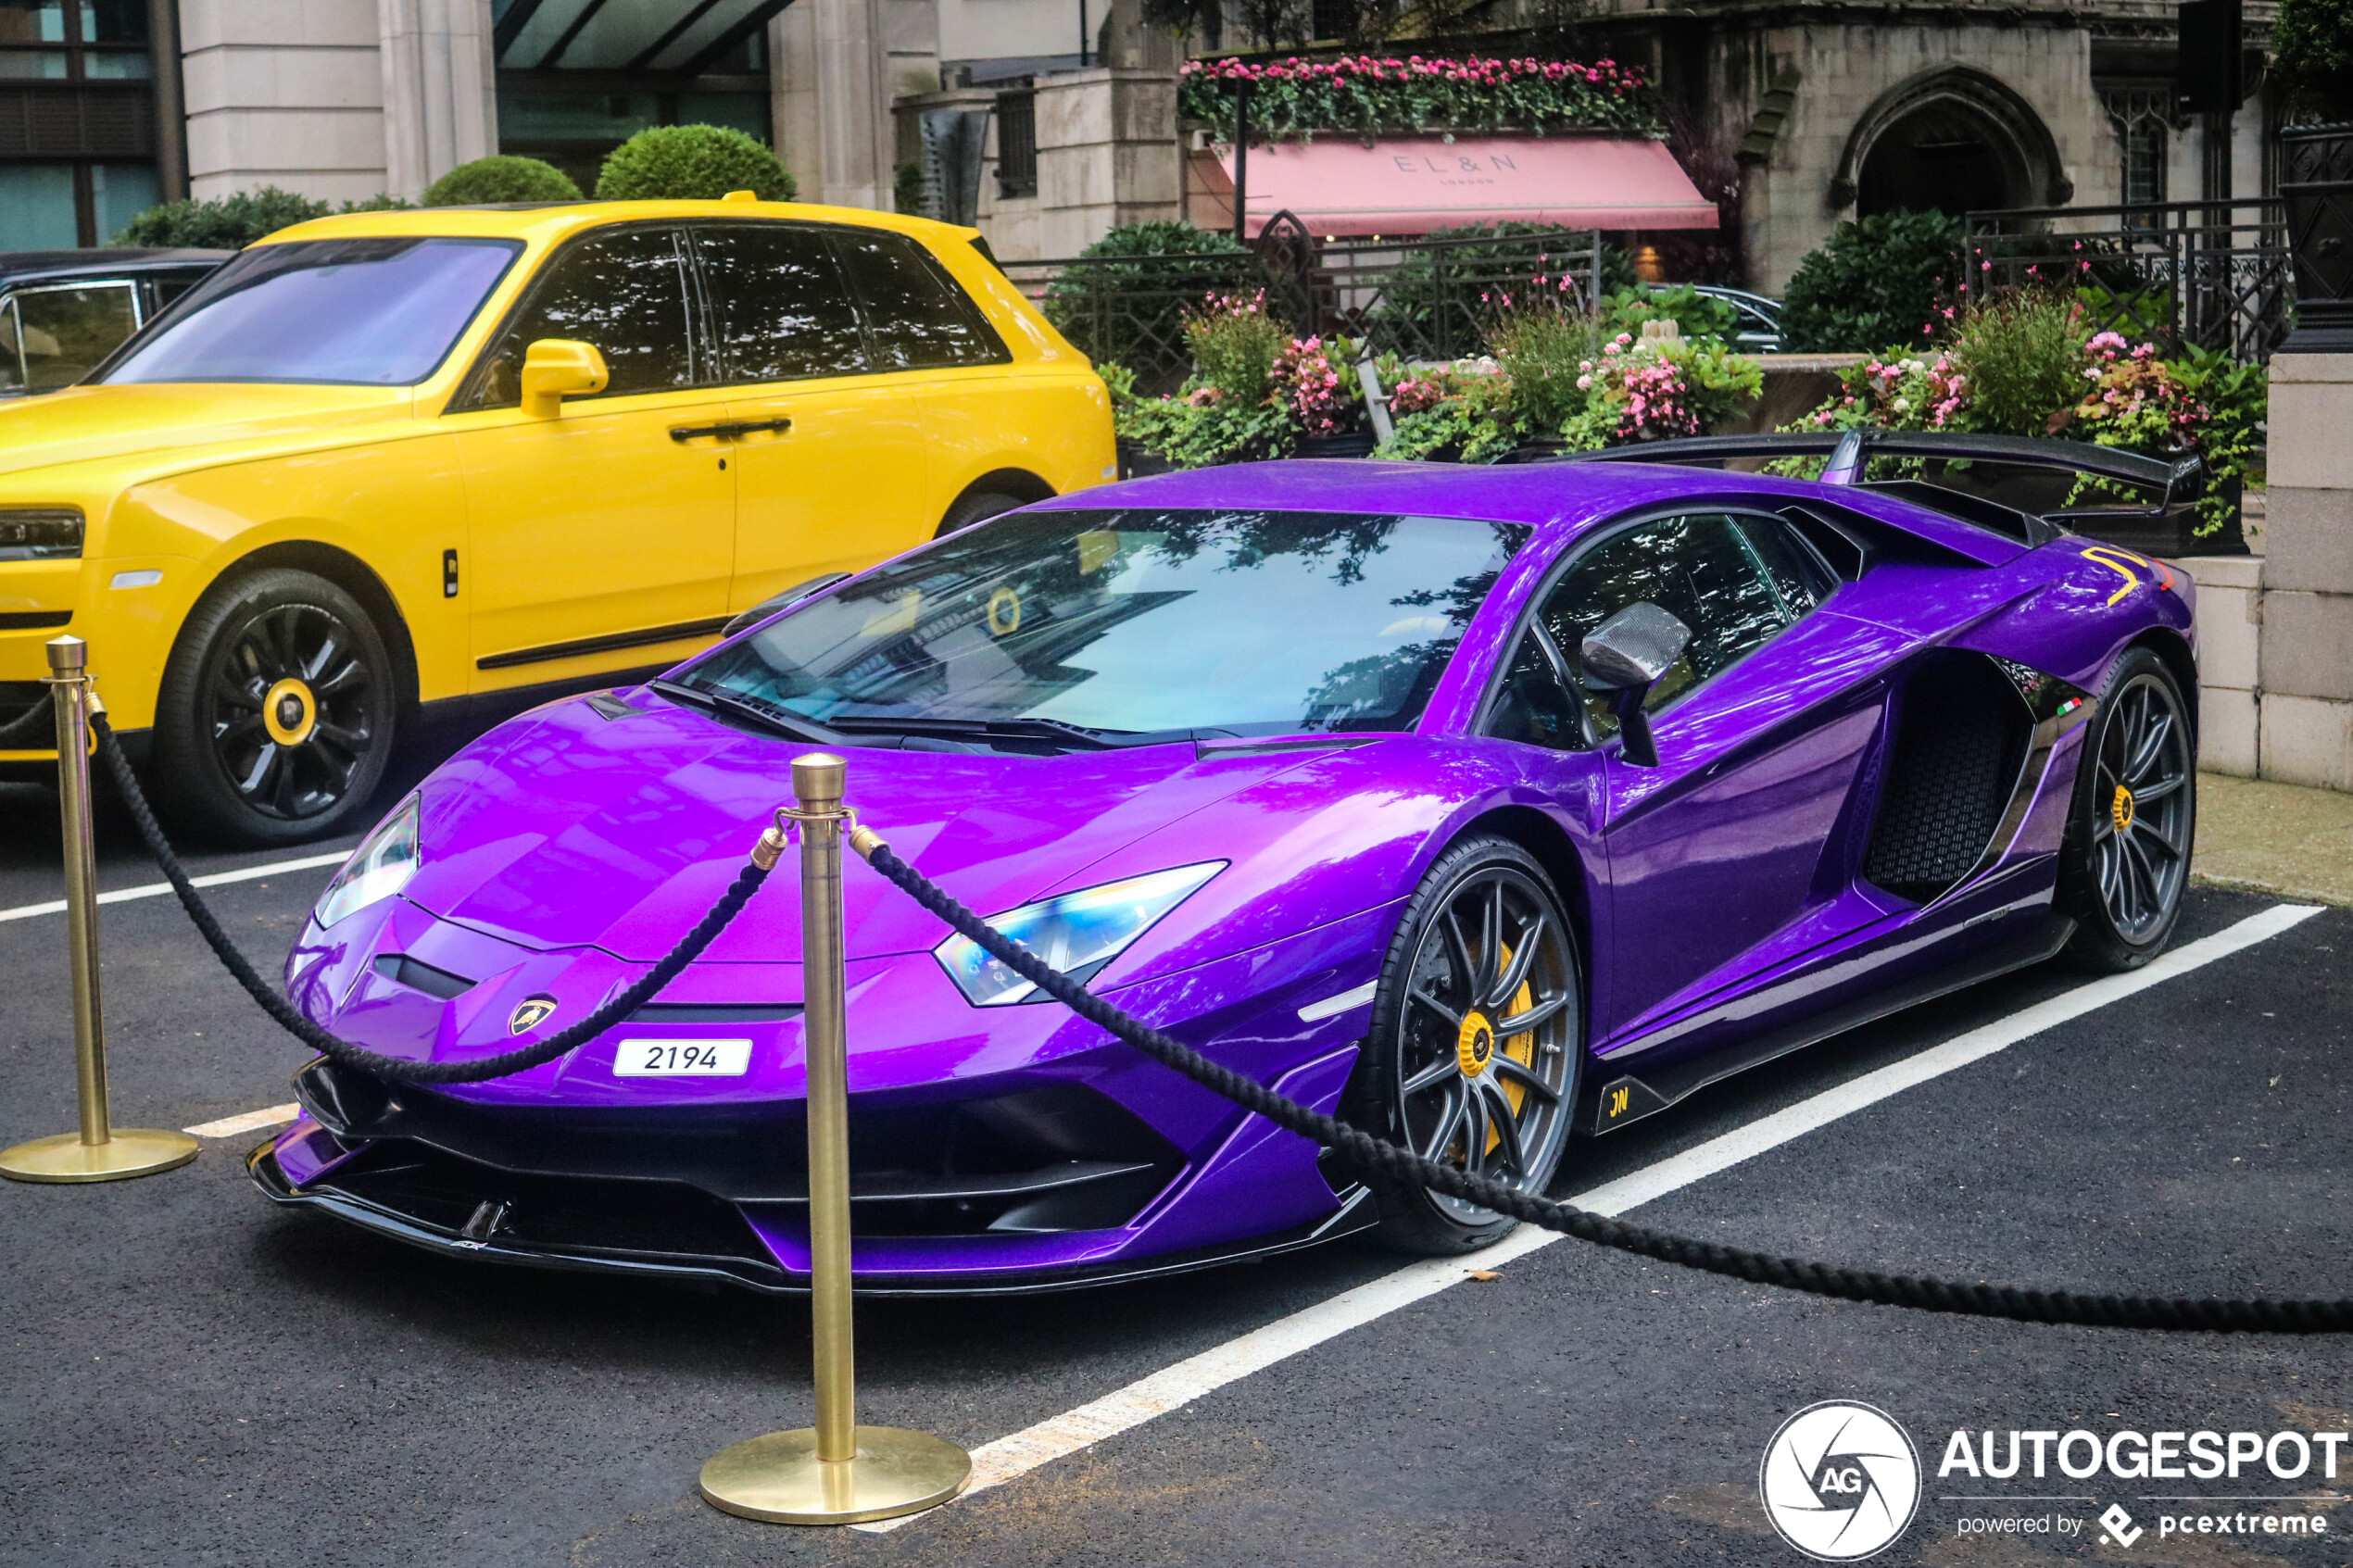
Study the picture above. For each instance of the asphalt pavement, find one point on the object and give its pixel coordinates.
(191, 1377)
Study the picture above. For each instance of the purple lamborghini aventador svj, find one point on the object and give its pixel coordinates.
(1490, 807)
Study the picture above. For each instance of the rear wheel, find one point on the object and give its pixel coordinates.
(275, 719)
(2135, 819)
(977, 507)
(1476, 1040)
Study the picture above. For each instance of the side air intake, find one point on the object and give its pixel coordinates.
(1962, 731)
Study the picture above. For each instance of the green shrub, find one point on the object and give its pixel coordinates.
(2022, 352)
(2313, 44)
(503, 178)
(229, 223)
(692, 163)
(1694, 314)
(1234, 344)
(1128, 303)
(1543, 353)
(1877, 281)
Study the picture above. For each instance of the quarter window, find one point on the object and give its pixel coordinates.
(782, 307)
(1707, 569)
(1535, 707)
(916, 315)
(623, 293)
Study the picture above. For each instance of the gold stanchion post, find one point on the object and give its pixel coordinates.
(837, 1472)
(98, 1152)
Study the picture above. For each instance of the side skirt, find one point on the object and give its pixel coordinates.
(1627, 1098)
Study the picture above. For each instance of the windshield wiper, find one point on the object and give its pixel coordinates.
(1019, 729)
(767, 716)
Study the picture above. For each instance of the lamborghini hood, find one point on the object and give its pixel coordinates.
(567, 830)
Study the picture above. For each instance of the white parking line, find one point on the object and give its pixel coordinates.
(157, 889)
(1175, 1386)
(250, 1121)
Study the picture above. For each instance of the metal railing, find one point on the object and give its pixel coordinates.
(2209, 274)
(1421, 299)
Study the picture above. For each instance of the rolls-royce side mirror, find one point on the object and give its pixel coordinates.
(558, 367)
(1626, 656)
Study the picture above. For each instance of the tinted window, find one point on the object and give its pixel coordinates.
(624, 293)
(918, 317)
(782, 306)
(64, 332)
(375, 312)
(1534, 706)
(1248, 622)
(1801, 580)
(1696, 567)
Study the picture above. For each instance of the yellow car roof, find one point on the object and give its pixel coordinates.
(544, 224)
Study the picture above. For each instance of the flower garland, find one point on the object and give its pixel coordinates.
(1367, 95)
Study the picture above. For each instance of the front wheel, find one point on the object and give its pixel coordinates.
(2135, 819)
(1476, 1040)
(275, 719)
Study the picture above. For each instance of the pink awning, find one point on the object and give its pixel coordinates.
(1338, 185)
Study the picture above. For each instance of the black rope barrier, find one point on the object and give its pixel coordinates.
(400, 1069)
(1360, 1148)
(1377, 1156)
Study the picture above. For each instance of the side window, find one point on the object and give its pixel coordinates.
(916, 315)
(11, 351)
(781, 306)
(64, 333)
(1699, 568)
(624, 293)
(1789, 565)
(1534, 706)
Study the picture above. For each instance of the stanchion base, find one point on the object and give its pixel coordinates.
(780, 1479)
(133, 1151)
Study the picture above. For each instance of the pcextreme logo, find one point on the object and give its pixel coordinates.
(1841, 1481)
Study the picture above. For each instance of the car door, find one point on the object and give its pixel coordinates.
(937, 345)
(831, 471)
(1714, 854)
(603, 537)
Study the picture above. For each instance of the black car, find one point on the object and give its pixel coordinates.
(61, 312)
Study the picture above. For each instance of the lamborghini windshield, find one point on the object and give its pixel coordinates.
(1131, 623)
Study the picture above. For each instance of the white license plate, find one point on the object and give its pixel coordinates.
(682, 1059)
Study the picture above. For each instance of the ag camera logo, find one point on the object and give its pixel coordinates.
(1841, 1481)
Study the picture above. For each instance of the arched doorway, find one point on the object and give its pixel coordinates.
(1955, 140)
(1941, 156)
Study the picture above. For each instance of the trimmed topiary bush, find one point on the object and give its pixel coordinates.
(1876, 281)
(229, 223)
(691, 163)
(503, 178)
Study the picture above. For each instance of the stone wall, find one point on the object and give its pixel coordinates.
(2307, 641)
(339, 100)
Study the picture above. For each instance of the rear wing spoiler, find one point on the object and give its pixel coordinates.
(2172, 481)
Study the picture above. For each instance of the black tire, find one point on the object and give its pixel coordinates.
(976, 505)
(305, 650)
(2133, 820)
(1414, 1087)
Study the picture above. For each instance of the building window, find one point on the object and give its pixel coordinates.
(77, 121)
(2141, 117)
(1017, 145)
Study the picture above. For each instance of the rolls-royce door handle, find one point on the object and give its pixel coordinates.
(729, 430)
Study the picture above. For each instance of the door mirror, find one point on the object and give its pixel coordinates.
(558, 367)
(1626, 656)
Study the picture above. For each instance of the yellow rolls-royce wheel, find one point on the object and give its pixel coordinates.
(275, 719)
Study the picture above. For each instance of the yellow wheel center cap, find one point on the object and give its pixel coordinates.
(1475, 1045)
(290, 712)
(2119, 809)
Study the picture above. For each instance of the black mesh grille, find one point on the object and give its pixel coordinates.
(1960, 736)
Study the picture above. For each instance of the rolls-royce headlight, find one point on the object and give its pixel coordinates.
(40, 534)
(1076, 933)
(380, 867)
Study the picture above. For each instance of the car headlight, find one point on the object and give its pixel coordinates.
(41, 534)
(378, 868)
(1076, 933)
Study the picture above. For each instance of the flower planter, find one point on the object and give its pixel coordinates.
(2316, 184)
